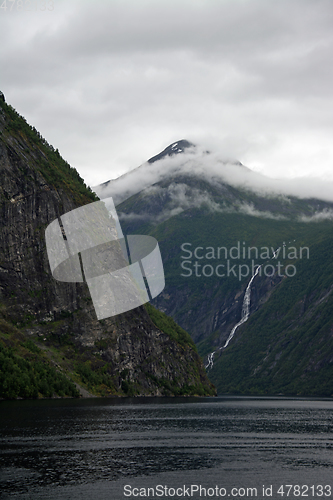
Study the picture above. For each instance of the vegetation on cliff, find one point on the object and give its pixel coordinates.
(55, 170)
(25, 371)
(54, 366)
(170, 327)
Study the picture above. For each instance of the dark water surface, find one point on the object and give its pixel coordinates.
(90, 449)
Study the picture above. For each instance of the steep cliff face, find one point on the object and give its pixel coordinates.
(129, 351)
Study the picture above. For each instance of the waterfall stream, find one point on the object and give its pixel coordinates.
(245, 311)
(244, 317)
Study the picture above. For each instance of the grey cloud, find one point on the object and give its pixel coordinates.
(110, 84)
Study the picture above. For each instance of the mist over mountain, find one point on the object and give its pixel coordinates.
(217, 221)
(183, 157)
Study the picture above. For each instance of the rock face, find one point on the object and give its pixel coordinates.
(174, 149)
(37, 186)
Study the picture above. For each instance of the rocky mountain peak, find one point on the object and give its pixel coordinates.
(173, 149)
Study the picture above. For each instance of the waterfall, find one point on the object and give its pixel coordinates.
(244, 317)
(245, 311)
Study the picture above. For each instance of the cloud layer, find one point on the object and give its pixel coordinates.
(112, 83)
(216, 170)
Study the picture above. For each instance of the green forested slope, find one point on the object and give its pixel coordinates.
(286, 347)
(55, 170)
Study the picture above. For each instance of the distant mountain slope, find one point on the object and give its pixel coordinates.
(191, 205)
(286, 347)
(49, 335)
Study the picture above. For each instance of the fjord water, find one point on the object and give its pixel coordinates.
(92, 448)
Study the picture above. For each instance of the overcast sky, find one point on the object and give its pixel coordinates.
(112, 83)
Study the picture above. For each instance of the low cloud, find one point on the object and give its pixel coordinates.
(216, 170)
(249, 209)
(176, 198)
(326, 214)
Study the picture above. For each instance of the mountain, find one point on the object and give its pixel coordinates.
(216, 221)
(51, 342)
